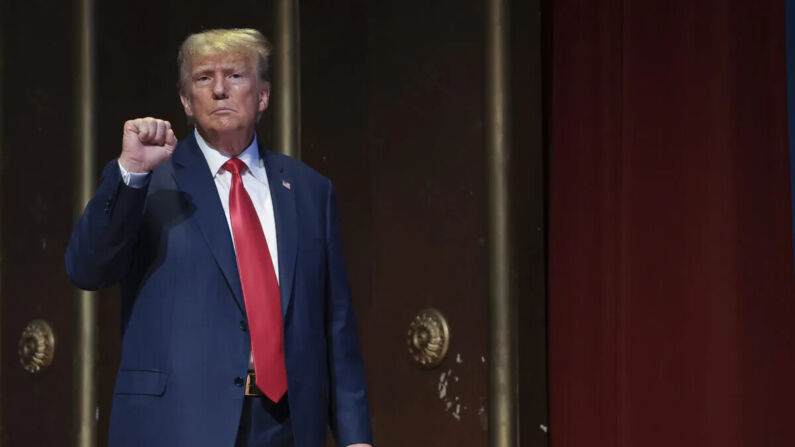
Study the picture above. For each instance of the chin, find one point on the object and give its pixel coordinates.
(225, 126)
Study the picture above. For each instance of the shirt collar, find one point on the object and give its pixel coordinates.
(250, 156)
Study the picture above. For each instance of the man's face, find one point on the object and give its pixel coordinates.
(224, 94)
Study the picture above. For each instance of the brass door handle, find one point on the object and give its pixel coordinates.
(428, 338)
(36, 346)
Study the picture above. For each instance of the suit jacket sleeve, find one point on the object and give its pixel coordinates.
(348, 412)
(101, 247)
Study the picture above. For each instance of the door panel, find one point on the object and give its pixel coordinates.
(36, 217)
(392, 112)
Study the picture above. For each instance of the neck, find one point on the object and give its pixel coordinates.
(230, 144)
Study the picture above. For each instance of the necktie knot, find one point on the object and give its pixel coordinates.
(235, 166)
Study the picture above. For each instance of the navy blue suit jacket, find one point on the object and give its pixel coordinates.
(184, 338)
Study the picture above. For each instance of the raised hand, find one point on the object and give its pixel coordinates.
(146, 143)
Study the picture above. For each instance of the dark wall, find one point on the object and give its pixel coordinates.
(528, 183)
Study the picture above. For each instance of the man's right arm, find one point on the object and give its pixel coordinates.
(100, 249)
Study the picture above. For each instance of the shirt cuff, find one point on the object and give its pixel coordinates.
(135, 180)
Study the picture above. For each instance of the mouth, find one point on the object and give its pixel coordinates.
(223, 110)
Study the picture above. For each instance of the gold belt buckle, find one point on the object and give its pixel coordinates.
(251, 386)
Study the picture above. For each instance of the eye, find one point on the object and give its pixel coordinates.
(236, 75)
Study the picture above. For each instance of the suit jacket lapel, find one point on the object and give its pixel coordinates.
(283, 197)
(192, 175)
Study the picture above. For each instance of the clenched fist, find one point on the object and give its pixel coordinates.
(146, 143)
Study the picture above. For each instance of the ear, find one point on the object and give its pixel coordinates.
(264, 96)
(186, 104)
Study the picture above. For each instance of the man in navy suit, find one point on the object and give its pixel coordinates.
(237, 324)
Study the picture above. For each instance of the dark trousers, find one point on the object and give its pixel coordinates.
(264, 424)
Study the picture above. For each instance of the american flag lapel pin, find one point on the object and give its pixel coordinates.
(286, 184)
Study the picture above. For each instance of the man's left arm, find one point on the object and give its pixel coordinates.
(348, 408)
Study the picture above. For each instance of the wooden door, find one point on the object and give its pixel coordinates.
(35, 221)
(393, 112)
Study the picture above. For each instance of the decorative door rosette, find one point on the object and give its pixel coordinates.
(428, 338)
(36, 346)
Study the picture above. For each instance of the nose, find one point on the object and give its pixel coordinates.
(219, 88)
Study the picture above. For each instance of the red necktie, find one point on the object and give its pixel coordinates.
(260, 288)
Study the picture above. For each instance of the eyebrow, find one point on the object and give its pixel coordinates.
(207, 69)
(201, 70)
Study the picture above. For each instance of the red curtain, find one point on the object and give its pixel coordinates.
(671, 299)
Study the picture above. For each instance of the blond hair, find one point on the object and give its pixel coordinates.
(242, 41)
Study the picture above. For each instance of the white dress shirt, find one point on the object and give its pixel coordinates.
(255, 180)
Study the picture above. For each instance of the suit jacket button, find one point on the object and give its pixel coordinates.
(243, 325)
(239, 381)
